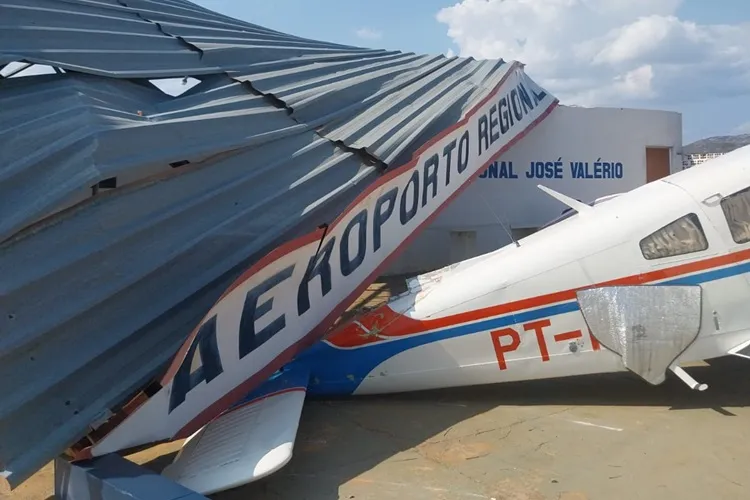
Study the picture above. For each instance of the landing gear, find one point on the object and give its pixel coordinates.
(690, 381)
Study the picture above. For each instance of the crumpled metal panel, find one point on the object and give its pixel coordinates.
(97, 298)
(97, 292)
(323, 84)
(80, 130)
(121, 38)
(330, 86)
(397, 117)
(648, 326)
(94, 36)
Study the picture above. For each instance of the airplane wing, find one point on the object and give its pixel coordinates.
(742, 350)
(247, 442)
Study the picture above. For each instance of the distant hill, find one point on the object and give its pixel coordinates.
(718, 144)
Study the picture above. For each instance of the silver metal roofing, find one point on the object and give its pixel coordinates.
(125, 212)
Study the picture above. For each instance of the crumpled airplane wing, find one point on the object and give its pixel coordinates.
(247, 442)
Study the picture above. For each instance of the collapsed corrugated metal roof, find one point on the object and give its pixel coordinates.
(126, 212)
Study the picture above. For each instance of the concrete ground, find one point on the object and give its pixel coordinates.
(599, 437)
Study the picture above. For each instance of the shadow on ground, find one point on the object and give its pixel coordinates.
(339, 440)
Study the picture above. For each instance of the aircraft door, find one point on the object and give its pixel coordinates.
(727, 284)
(730, 218)
(733, 221)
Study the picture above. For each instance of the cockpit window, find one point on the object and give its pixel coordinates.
(683, 236)
(736, 209)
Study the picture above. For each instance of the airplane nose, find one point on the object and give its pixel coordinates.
(441, 293)
(376, 325)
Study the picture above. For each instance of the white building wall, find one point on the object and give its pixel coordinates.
(569, 142)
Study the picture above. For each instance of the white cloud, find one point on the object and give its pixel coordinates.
(607, 52)
(369, 34)
(742, 129)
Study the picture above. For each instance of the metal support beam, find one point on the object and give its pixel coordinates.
(113, 477)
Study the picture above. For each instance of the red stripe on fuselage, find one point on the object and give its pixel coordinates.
(394, 324)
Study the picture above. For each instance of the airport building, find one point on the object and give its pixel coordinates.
(585, 153)
(693, 159)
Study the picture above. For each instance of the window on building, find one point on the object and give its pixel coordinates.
(683, 236)
(736, 209)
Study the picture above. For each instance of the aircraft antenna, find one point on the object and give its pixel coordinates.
(311, 264)
(507, 231)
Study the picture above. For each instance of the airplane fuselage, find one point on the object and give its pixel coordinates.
(544, 338)
(513, 315)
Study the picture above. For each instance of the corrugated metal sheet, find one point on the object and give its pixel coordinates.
(98, 296)
(80, 130)
(97, 292)
(122, 38)
(381, 105)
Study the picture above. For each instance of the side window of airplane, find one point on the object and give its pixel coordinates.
(736, 209)
(683, 236)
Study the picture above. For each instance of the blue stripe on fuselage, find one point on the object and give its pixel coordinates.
(708, 276)
(292, 376)
(340, 371)
(337, 371)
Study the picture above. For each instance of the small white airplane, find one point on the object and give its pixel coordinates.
(644, 281)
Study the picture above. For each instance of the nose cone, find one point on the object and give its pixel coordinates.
(429, 298)
(370, 327)
(451, 294)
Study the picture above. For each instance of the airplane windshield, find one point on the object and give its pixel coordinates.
(736, 209)
(683, 236)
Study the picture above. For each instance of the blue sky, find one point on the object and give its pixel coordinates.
(409, 25)
(691, 56)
